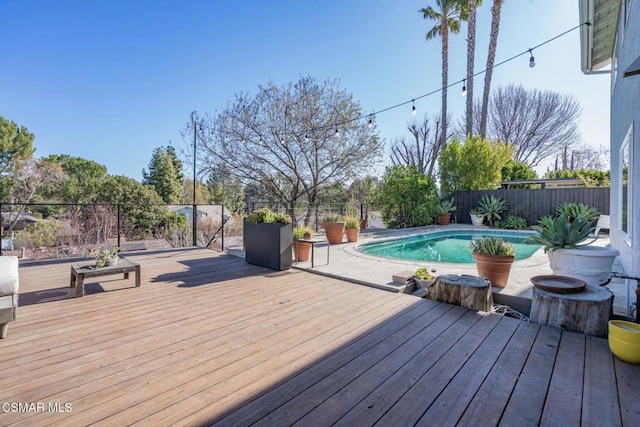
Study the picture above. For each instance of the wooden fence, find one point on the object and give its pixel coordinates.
(532, 204)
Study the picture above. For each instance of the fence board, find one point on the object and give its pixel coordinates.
(532, 204)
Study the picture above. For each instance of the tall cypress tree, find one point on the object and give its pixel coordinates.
(165, 175)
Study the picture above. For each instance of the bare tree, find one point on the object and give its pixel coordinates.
(537, 123)
(293, 140)
(588, 158)
(422, 148)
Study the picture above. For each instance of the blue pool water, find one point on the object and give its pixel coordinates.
(446, 246)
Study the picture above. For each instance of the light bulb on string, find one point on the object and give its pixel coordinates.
(413, 110)
(464, 87)
(306, 138)
(532, 60)
(337, 133)
(370, 122)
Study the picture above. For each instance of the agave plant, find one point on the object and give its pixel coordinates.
(560, 232)
(492, 246)
(574, 210)
(492, 208)
(446, 206)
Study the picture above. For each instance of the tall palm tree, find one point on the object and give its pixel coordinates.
(469, 14)
(491, 56)
(447, 19)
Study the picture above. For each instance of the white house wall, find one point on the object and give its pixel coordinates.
(625, 112)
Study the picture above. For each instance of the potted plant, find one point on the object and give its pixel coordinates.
(444, 210)
(477, 218)
(352, 228)
(302, 250)
(334, 227)
(105, 257)
(268, 238)
(562, 236)
(424, 277)
(492, 208)
(493, 258)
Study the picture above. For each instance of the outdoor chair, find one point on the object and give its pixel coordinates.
(8, 292)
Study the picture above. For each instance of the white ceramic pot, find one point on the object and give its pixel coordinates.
(476, 219)
(589, 263)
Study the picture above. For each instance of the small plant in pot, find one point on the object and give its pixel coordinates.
(267, 239)
(334, 226)
(444, 210)
(477, 218)
(352, 228)
(302, 250)
(105, 257)
(563, 237)
(494, 258)
(424, 277)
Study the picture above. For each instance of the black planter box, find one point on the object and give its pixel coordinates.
(268, 245)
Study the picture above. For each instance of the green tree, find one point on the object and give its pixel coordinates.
(406, 197)
(591, 178)
(203, 195)
(226, 189)
(16, 145)
(140, 210)
(81, 179)
(165, 175)
(474, 165)
(447, 18)
(513, 171)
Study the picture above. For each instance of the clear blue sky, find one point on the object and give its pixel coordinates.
(111, 80)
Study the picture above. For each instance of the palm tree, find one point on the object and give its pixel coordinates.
(491, 56)
(447, 19)
(469, 14)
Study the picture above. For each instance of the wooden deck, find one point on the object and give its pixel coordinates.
(209, 339)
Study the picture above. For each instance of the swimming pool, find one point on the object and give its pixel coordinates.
(446, 246)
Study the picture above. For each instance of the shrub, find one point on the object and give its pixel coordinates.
(513, 222)
(352, 222)
(266, 215)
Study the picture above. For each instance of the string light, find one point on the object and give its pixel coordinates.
(306, 138)
(433, 92)
(464, 87)
(532, 60)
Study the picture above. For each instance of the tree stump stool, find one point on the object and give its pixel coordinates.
(467, 291)
(587, 312)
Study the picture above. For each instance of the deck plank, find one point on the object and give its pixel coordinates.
(527, 400)
(417, 400)
(491, 399)
(600, 396)
(564, 398)
(208, 338)
(453, 401)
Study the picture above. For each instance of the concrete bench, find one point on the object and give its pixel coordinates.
(8, 292)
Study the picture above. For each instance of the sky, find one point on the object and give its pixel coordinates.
(110, 80)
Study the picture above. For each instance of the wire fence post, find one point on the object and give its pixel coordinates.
(118, 224)
(222, 231)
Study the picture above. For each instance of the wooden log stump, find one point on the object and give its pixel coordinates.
(467, 291)
(587, 312)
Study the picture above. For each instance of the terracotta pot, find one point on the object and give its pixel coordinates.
(334, 231)
(443, 219)
(301, 251)
(352, 234)
(495, 268)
